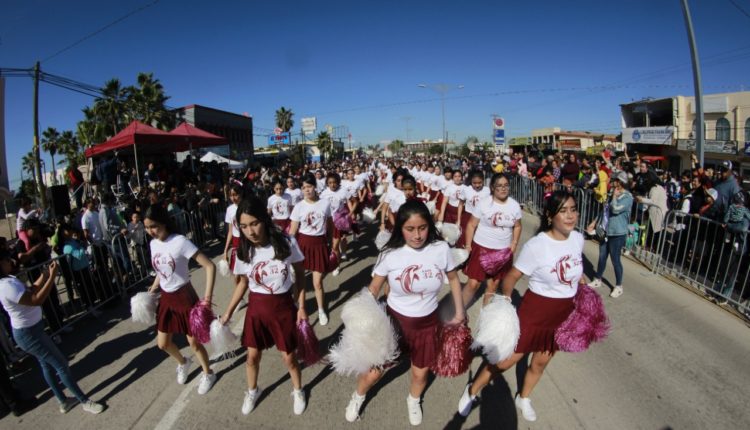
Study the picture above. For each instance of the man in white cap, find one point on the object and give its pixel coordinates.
(726, 188)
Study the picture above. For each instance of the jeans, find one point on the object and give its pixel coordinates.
(612, 247)
(36, 342)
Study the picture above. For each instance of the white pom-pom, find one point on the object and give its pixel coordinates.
(450, 232)
(222, 338)
(497, 330)
(459, 255)
(368, 215)
(223, 268)
(379, 190)
(382, 238)
(143, 308)
(368, 340)
(431, 206)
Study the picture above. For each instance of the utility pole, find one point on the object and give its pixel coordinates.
(407, 119)
(700, 138)
(37, 158)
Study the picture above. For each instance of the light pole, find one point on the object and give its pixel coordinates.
(442, 89)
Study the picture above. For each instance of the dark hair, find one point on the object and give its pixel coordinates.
(158, 214)
(476, 173)
(411, 207)
(279, 241)
(552, 207)
(309, 178)
(410, 180)
(496, 177)
(333, 175)
(238, 189)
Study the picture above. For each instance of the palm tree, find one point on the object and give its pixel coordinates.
(396, 146)
(284, 119)
(71, 148)
(146, 102)
(28, 164)
(51, 144)
(325, 144)
(110, 107)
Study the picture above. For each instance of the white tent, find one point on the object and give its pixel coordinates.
(209, 157)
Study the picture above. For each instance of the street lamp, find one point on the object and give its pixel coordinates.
(442, 89)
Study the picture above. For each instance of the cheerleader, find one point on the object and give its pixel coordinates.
(320, 180)
(413, 262)
(437, 185)
(279, 206)
(393, 194)
(233, 233)
(553, 262)
(294, 193)
(471, 195)
(408, 192)
(269, 263)
(495, 225)
(170, 254)
(312, 225)
(339, 200)
(452, 207)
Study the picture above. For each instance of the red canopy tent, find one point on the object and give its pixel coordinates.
(137, 133)
(192, 137)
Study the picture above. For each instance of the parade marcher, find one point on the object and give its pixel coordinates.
(170, 254)
(312, 225)
(495, 227)
(293, 192)
(269, 264)
(471, 195)
(341, 202)
(280, 206)
(451, 210)
(233, 233)
(23, 305)
(413, 262)
(553, 262)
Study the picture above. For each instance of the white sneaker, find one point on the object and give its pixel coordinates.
(183, 370)
(207, 381)
(336, 272)
(68, 404)
(415, 410)
(352, 409)
(596, 283)
(524, 404)
(343, 256)
(616, 292)
(322, 318)
(250, 398)
(299, 401)
(92, 407)
(465, 402)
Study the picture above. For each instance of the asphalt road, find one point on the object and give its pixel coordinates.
(672, 360)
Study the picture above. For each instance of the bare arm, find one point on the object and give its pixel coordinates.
(376, 284)
(210, 268)
(517, 227)
(293, 227)
(510, 280)
(299, 290)
(458, 301)
(239, 291)
(471, 228)
(41, 288)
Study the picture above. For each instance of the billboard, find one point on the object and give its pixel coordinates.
(498, 131)
(279, 139)
(309, 125)
(648, 135)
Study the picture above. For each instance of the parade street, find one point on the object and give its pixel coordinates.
(672, 360)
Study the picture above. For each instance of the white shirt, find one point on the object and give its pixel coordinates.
(454, 193)
(472, 197)
(396, 200)
(312, 217)
(90, 222)
(229, 218)
(350, 187)
(21, 316)
(496, 222)
(415, 277)
(438, 183)
(320, 185)
(337, 199)
(23, 216)
(295, 195)
(267, 275)
(170, 261)
(554, 267)
(280, 206)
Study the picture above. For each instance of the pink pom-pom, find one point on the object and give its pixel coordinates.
(308, 350)
(587, 323)
(455, 356)
(201, 317)
(492, 261)
(333, 260)
(342, 220)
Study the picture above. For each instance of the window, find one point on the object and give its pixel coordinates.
(747, 130)
(722, 129)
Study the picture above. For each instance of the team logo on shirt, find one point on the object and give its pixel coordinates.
(411, 274)
(261, 271)
(163, 264)
(475, 200)
(562, 269)
(279, 208)
(313, 219)
(498, 217)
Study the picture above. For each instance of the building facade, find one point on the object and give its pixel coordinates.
(236, 128)
(555, 139)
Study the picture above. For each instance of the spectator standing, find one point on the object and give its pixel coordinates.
(727, 187)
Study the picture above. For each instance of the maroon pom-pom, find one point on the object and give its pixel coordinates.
(493, 260)
(454, 356)
(308, 350)
(342, 220)
(587, 323)
(201, 317)
(333, 261)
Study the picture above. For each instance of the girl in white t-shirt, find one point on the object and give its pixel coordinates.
(294, 193)
(494, 229)
(393, 193)
(553, 261)
(437, 184)
(279, 206)
(341, 205)
(471, 195)
(170, 254)
(312, 225)
(269, 263)
(233, 233)
(414, 262)
(452, 207)
(23, 214)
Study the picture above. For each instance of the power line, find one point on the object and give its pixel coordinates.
(739, 8)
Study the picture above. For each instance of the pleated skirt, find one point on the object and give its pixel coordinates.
(173, 311)
(270, 320)
(539, 317)
(418, 337)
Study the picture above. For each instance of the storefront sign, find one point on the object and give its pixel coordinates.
(570, 145)
(280, 139)
(714, 146)
(309, 125)
(648, 135)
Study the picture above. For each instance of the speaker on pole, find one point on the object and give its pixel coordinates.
(59, 201)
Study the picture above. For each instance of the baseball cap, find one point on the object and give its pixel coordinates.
(713, 193)
(725, 165)
(621, 176)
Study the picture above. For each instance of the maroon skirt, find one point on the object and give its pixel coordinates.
(465, 217)
(539, 317)
(233, 252)
(439, 200)
(473, 268)
(316, 252)
(451, 214)
(173, 311)
(283, 224)
(270, 320)
(418, 337)
(433, 193)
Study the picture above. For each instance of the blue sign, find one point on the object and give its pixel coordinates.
(280, 139)
(499, 137)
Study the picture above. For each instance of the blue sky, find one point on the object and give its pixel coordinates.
(537, 64)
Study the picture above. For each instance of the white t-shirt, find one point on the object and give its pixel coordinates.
(350, 187)
(23, 216)
(320, 185)
(454, 193)
(554, 267)
(229, 218)
(415, 277)
(266, 275)
(438, 183)
(472, 197)
(21, 316)
(336, 199)
(90, 222)
(280, 206)
(170, 261)
(496, 221)
(312, 217)
(295, 195)
(396, 201)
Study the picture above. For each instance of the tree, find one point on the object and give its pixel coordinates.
(110, 107)
(325, 144)
(375, 149)
(284, 119)
(27, 163)
(396, 146)
(435, 149)
(464, 150)
(71, 148)
(471, 140)
(486, 147)
(51, 144)
(146, 103)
